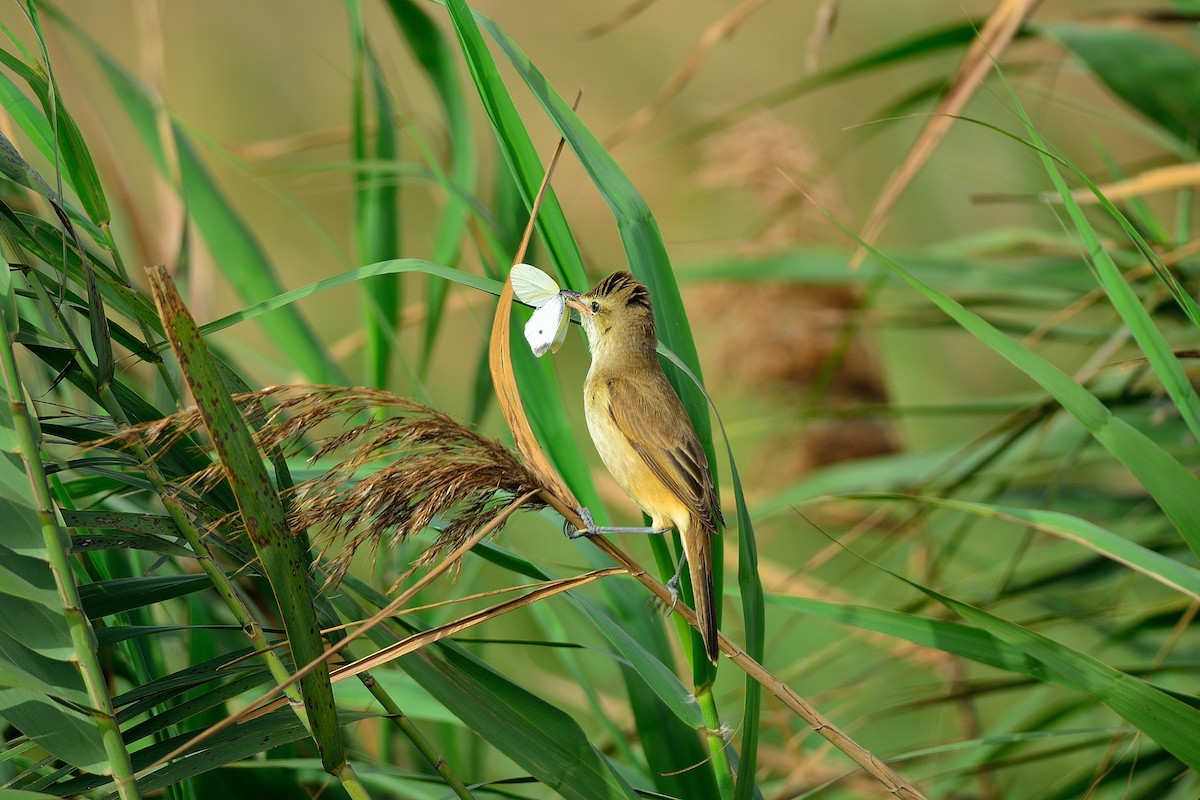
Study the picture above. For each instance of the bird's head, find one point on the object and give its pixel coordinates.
(616, 315)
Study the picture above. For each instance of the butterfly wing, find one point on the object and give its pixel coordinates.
(532, 286)
(547, 328)
(564, 324)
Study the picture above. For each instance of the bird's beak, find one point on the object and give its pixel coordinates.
(575, 301)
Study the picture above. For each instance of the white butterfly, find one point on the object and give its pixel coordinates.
(547, 328)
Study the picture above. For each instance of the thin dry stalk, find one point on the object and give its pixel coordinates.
(993, 39)
(384, 613)
(870, 763)
(425, 638)
(721, 29)
(559, 497)
(827, 14)
(622, 16)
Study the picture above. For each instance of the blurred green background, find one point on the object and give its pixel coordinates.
(831, 382)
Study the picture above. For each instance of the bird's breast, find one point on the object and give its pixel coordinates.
(628, 468)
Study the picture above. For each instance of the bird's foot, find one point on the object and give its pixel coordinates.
(589, 528)
(592, 529)
(673, 588)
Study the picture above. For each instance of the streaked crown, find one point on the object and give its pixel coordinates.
(623, 289)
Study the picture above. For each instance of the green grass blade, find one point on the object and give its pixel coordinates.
(921, 45)
(1154, 346)
(376, 201)
(64, 732)
(1165, 570)
(523, 160)
(282, 554)
(644, 249)
(1172, 486)
(950, 637)
(72, 152)
(114, 596)
(400, 265)
(433, 53)
(1165, 719)
(80, 171)
(1153, 75)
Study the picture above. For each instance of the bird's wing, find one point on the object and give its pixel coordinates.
(648, 413)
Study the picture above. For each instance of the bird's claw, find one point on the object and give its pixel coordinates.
(589, 528)
(673, 588)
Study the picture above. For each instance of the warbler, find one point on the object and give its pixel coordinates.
(644, 435)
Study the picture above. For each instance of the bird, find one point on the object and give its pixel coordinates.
(645, 437)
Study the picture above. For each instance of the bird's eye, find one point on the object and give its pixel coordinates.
(595, 307)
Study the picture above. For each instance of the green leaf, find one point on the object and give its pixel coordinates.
(376, 202)
(64, 732)
(37, 625)
(429, 46)
(371, 270)
(657, 675)
(283, 554)
(21, 794)
(1154, 346)
(71, 152)
(920, 45)
(523, 159)
(22, 531)
(21, 666)
(233, 744)
(1165, 719)
(1163, 569)
(949, 637)
(1168, 482)
(534, 734)
(103, 598)
(1153, 75)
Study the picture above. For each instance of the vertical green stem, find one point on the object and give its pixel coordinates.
(423, 745)
(715, 737)
(83, 638)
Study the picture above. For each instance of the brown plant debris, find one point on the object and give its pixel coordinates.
(402, 466)
(803, 346)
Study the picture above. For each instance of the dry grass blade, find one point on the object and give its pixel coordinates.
(1160, 179)
(993, 38)
(561, 499)
(617, 20)
(712, 36)
(500, 363)
(509, 400)
(818, 722)
(383, 613)
(827, 15)
(425, 638)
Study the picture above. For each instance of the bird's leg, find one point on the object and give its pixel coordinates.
(673, 584)
(592, 529)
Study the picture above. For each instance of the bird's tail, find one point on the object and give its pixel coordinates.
(698, 547)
